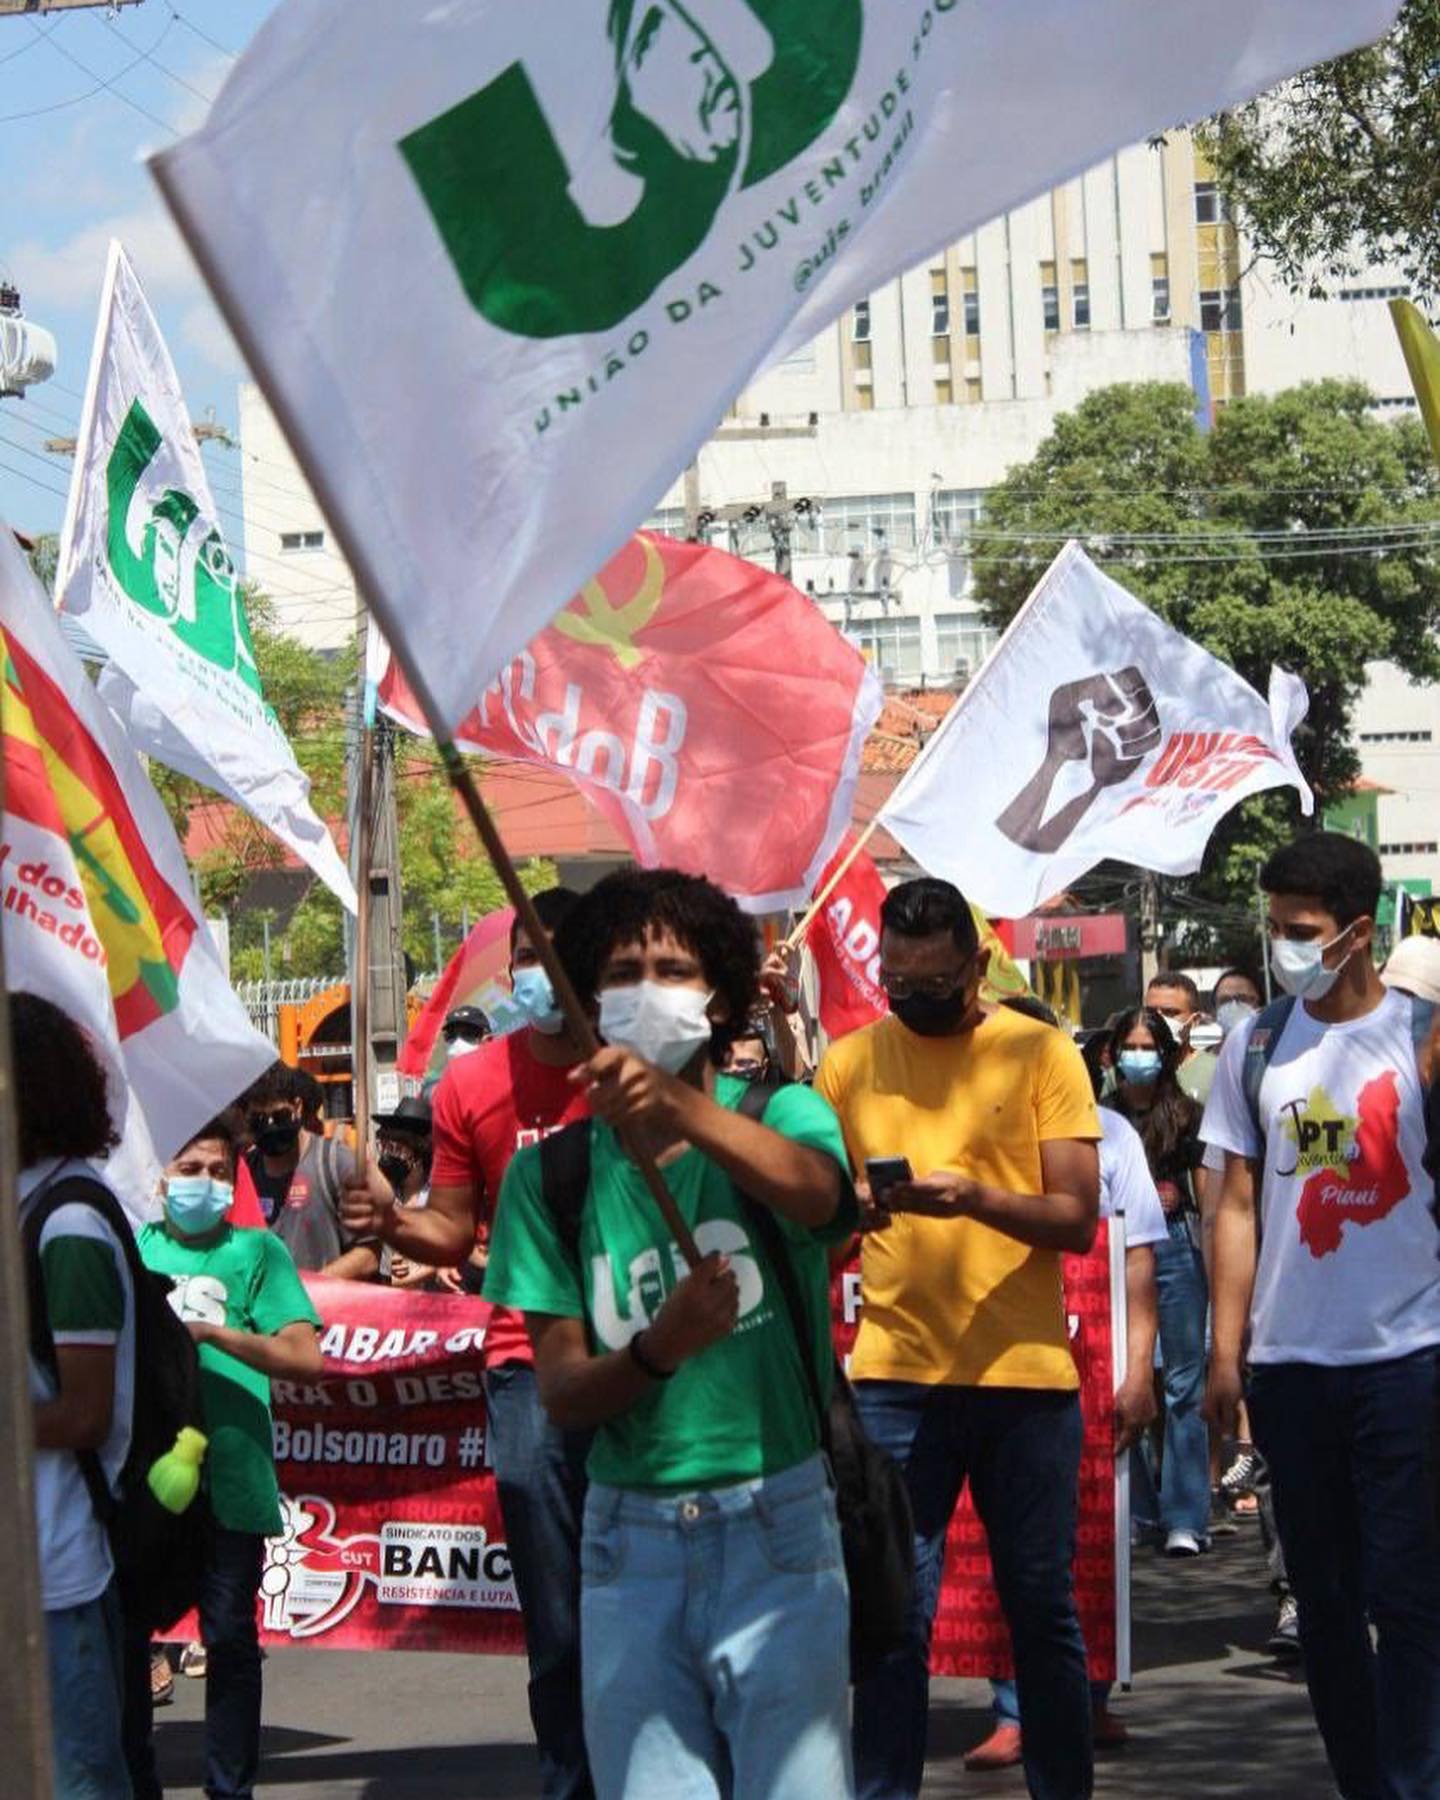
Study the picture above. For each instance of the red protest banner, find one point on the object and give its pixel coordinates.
(844, 939)
(393, 1537)
(705, 706)
(971, 1637)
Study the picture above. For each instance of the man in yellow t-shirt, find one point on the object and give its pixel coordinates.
(962, 1367)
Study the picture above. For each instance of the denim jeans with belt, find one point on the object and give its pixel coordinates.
(84, 1654)
(1354, 1455)
(715, 1641)
(540, 1479)
(1020, 1450)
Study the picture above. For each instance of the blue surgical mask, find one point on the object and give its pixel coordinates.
(531, 991)
(1141, 1068)
(196, 1204)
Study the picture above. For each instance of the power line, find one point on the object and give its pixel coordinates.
(204, 36)
(164, 69)
(108, 82)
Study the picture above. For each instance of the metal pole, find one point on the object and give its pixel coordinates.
(1149, 928)
(24, 1670)
(435, 927)
(360, 968)
(1261, 910)
(265, 947)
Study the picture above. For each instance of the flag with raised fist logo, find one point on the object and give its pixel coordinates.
(1095, 731)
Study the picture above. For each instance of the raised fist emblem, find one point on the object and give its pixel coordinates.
(1100, 731)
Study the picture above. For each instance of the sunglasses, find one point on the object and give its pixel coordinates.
(263, 1121)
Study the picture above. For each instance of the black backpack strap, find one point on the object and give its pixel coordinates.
(565, 1180)
(75, 1190)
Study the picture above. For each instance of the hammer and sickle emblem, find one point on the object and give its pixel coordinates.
(611, 627)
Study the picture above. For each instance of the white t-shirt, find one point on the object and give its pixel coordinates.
(1347, 1270)
(87, 1285)
(1126, 1184)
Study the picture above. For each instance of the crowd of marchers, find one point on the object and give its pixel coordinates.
(660, 1424)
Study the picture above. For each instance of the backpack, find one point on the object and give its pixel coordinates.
(159, 1555)
(1269, 1028)
(877, 1531)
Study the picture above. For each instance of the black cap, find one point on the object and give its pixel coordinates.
(466, 1018)
(411, 1115)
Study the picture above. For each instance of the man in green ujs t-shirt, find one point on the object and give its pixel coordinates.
(248, 1311)
(714, 1610)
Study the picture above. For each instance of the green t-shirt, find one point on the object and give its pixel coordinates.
(246, 1280)
(742, 1407)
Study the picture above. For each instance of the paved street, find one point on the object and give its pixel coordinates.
(1211, 1717)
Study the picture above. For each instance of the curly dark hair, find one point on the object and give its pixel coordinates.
(1168, 1126)
(632, 904)
(279, 1082)
(61, 1099)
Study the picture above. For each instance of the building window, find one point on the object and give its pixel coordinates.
(866, 523)
(302, 540)
(1220, 309)
(669, 522)
(1160, 289)
(1401, 291)
(970, 283)
(893, 645)
(939, 315)
(1080, 282)
(952, 513)
(1416, 849)
(1395, 737)
(1211, 206)
(961, 642)
(860, 322)
(944, 390)
(972, 390)
(1050, 296)
(865, 398)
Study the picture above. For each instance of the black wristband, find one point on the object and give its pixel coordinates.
(643, 1363)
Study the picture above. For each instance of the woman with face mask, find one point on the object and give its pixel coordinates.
(1146, 1057)
(240, 1295)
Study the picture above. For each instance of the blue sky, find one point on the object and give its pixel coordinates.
(100, 93)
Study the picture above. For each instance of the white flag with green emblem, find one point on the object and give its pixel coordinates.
(501, 265)
(144, 568)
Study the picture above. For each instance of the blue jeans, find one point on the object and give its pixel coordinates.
(229, 1584)
(1183, 1301)
(1005, 1699)
(1354, 1457)
(1020, 1449)
(84, 1653)
(540, 1477)
(715, 1629)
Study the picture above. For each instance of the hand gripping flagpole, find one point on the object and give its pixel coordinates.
(460, 777)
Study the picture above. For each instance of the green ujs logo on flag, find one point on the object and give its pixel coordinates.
(709, 97)
(165, 560)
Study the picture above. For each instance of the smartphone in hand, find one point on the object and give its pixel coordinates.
(883, 1173)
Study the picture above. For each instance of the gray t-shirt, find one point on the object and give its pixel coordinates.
(304, 1213)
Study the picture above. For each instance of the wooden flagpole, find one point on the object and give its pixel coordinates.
(797, 936)
(371, 592)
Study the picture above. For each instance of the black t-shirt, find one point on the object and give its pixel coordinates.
(302, 1207)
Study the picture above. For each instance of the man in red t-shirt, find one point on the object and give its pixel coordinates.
(509, 1092)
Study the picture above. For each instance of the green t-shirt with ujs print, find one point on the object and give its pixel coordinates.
(741, 1408)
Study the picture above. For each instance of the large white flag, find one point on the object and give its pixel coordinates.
(143, 565)
(1093, 731)
(98, 910)
(501, 265)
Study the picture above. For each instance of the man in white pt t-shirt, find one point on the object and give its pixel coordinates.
(1341, 1299)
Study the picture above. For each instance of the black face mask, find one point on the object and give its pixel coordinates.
(395, 1168)
(278, 1140)
(928, 1017)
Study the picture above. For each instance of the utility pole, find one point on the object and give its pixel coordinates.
(697, 516)
(1149, 928)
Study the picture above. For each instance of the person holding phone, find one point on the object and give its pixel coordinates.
(978, 1129)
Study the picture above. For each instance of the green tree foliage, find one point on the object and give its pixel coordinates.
(1338, 167)
(1296, 531)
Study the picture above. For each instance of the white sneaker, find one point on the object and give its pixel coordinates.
(1184, 1543)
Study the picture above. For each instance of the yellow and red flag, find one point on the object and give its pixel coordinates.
(98, 909)
(706, 707)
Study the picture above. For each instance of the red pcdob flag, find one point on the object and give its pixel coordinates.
(844, 939)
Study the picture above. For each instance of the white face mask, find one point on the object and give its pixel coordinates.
(1205, 1034)
(1300, 968)
(657, 1020)
(458, 1047)
(1231, 1013)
